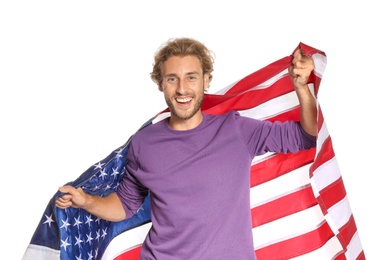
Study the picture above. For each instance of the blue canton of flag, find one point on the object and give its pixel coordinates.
(76, 234)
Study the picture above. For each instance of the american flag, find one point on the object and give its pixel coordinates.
(299, 204)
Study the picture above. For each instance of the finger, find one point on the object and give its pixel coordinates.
(297, 54)
(298, 61)
(305, 63)
(301, 71)
(65, 198)
(63, 204)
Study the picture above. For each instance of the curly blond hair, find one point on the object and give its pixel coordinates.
(182, 47)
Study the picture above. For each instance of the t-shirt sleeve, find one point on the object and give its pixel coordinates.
(130, 191)
(264, 136)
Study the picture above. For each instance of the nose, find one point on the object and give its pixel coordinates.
(181, 86)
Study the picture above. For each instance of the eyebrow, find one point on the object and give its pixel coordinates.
(188, 73)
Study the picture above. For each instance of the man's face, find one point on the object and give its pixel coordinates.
(183, 86)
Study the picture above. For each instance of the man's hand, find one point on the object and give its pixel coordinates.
(109, 208)
(73, 197)
(300, 69)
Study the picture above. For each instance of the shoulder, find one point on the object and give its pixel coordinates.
(149, 129)
(227, 115)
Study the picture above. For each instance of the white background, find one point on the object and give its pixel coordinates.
(74, 78)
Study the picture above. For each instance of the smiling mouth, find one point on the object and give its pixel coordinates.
(183, 100)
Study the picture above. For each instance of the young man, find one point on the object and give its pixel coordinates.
(199, 209)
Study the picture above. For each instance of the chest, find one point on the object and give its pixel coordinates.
(183, 164)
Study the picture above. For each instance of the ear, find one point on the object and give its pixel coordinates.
(206, 80)
(160, 86)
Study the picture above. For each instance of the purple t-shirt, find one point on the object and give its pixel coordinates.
(199, 183)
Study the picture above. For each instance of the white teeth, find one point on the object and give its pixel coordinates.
(183, 100)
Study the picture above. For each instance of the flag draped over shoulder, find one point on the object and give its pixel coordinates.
(299, 203)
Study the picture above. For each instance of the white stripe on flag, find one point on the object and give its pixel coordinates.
(263, 85)
(272, 80)
(320, 61)
(324, 175)
(288, 227)
(263, 157)
(354, 248)
(275, 106)
(41, 253)
(272, 107)
(338, 215)
(279, 187)
(161, 116)
(328, 251)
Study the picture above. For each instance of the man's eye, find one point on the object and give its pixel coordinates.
(171, 80)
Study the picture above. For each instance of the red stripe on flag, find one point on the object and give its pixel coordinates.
(133, 254)
(347, 232)
(325, 154)
(260, 75)
(255, 97)
(308, 50)
(284, 206)
(278, 165)
(249, 99)
(332, 194)
(361, 256)
(212, 100)
(301, 244)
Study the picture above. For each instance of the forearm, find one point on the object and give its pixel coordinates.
(308, 110)
(300, 71)
(109, 208)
